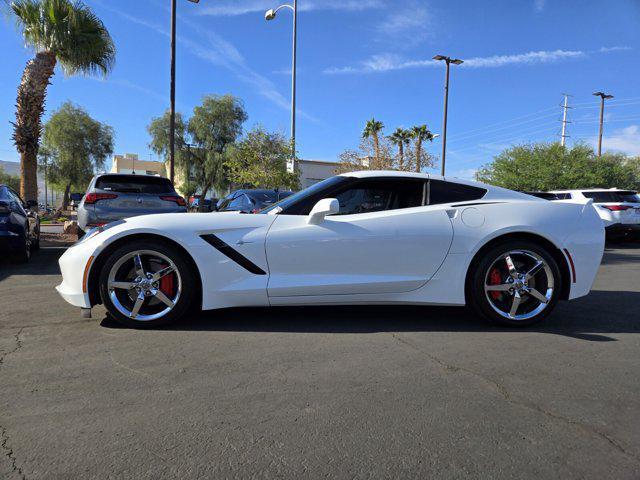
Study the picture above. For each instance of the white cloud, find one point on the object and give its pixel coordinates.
(539, 5)
(220, 52)
(626, 140)
(408, 25)
(231, 8)
(614, 49)
(389, 62)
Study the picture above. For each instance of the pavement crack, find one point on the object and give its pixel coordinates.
(5, 446)
(519, 402)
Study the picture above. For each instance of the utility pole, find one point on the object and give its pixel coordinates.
(45, 156)
(172, 115)
(602, 96)
(565, 107)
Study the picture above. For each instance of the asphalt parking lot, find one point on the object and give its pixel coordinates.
(320, 392)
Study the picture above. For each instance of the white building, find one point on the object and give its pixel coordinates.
(314, 171)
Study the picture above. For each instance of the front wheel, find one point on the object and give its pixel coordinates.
(516, 283)
(147, 284)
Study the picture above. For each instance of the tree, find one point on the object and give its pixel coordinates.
(59, 31)
(12, 181)
(372, 130)
(78, 145)
(550, 166)
(420, 134)
(214, 127)
(401, 138)
(260, 161)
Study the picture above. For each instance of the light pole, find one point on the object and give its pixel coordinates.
(448, 61)
(172, 116)
(270, 15)
(602, 96)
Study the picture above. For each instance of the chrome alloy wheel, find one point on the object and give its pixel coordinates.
(519, 284)
(144, 285)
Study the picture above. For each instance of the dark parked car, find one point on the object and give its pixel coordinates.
(194, 203)
(545, 195)
(19, 225)
(115, 196)
(250, 200)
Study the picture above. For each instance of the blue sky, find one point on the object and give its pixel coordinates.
(359, 58)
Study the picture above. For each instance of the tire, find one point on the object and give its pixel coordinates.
(36, 242)
(493, 286)
(24, 254)
(132, 287)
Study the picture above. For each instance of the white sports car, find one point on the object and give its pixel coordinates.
(358, 238)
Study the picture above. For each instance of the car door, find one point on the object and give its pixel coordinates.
(384, 240)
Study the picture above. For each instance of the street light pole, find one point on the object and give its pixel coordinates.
(448, 61)
(172, 115)
(270, 15)
(602, 96)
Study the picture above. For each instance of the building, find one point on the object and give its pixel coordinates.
(314, 171)
(129, 163)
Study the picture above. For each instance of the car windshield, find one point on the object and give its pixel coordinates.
(613, 196)
(303, 194)
(134, 184)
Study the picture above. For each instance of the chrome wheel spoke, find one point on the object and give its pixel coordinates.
(510, 265)
(136, 306)
(122, 285)
(514, 306)
(535, 269)
(504, 287)
(162, 273)
(537, 295)
(137, 261)
(164, 299)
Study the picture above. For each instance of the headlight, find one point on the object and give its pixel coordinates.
(92, 232)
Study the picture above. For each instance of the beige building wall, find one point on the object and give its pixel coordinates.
(314, 171)
(129, 163)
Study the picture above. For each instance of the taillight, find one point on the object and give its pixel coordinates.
(92, 198)
(616, 208)
(174, 198)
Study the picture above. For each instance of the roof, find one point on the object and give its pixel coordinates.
(492, 191)
(593, 190)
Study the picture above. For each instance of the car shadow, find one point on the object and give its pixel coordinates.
(590, 318)
(43, 262)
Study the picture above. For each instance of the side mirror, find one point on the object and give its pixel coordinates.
(31, 204)
(326, 206)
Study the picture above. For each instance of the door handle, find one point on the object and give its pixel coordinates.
(242, 242)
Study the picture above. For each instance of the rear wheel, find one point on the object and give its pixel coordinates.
(516, 283)
(147, 284)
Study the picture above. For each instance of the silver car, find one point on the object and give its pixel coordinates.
(115, 196)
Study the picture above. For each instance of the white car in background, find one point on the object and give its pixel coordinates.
(619, 209)
(373, 237)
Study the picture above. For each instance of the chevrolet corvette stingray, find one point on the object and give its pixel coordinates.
(371, 237)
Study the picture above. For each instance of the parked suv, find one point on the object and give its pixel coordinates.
(115, 196)
(619, 209)
(19, 224)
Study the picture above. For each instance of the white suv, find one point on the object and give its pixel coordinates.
(619, 209)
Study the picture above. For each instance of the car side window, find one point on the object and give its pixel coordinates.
(238, 202)
(440, 192)
(381, 194)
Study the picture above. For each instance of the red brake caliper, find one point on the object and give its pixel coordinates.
(495, 279)
(167, 284)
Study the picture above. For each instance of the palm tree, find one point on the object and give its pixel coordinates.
(372, 130)
(59, 31)
(400, 138)
(420, 133)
